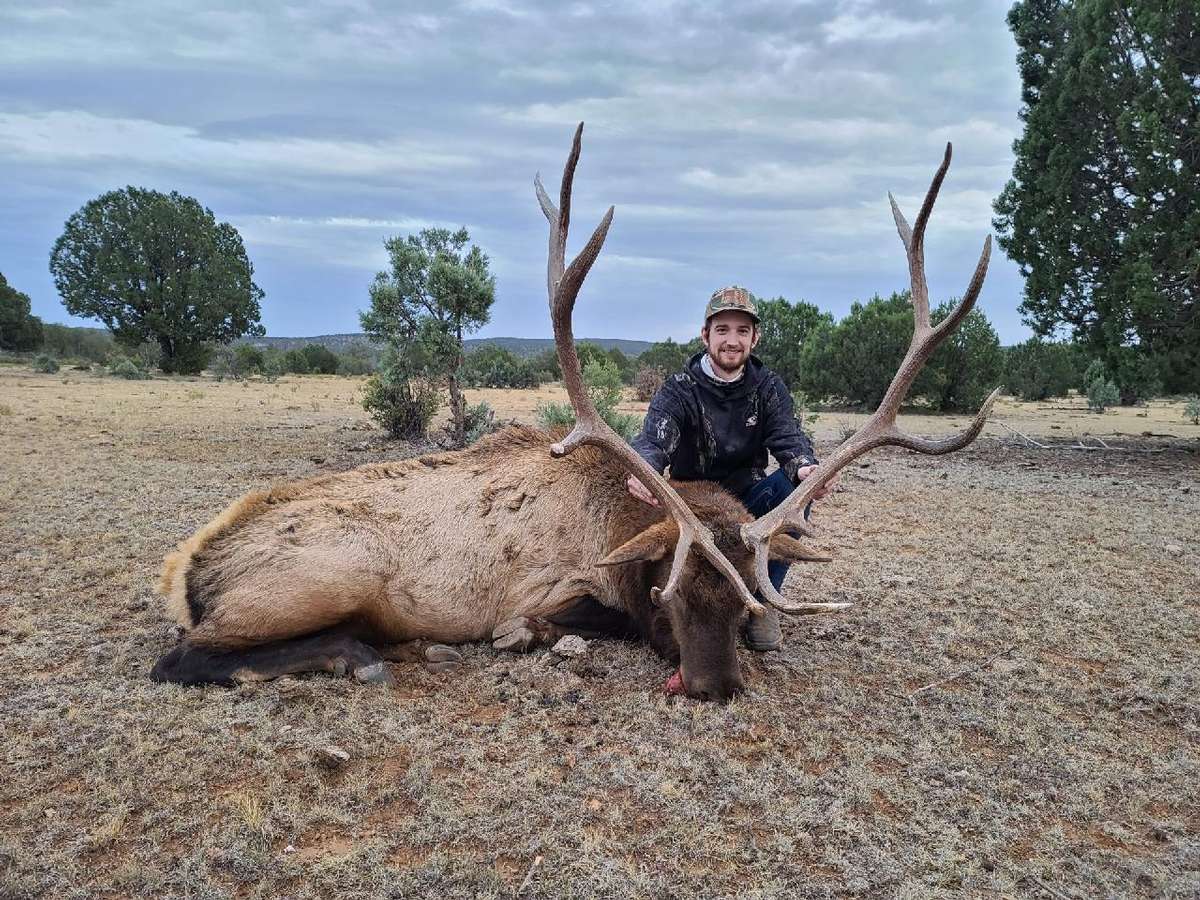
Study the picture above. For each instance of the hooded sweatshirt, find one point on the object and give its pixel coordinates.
(712, 430)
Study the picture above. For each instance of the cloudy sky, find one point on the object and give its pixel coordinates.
(741, 142)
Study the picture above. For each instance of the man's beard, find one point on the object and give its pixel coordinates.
(739, 360)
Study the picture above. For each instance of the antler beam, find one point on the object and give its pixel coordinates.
(880, 429)
(562, 284)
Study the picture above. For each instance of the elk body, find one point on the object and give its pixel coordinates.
(521, 535)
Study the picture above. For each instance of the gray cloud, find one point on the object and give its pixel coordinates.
(751, 142)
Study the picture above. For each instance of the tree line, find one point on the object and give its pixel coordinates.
(1102, 215)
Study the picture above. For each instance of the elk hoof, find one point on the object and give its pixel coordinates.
(375, 673)
(440, 658)
(513, 634)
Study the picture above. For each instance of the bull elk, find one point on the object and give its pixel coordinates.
(520, 538)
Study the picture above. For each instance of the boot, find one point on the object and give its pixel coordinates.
(763, 632)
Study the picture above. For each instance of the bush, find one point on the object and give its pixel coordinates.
(603, 382)
(1102, 394)
(497, 367)
(295, 361)
(84, 343)
(123, 367)
(321, 360)
(403, 406)
(1095, 370)
(1039, 370)
(44, 362)
(273, 366)
(855, 360)
(965, 368)
(480, 420)
(1191, 409)
(1137, 376)
(802, 409)
(647, 382)
(354, 365)
(668, 355)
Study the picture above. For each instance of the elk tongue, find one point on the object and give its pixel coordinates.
(674, 684)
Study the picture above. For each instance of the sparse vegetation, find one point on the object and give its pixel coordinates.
(44, 362)
(603, 382)
(1191, 409)
(1070, 759)
(404, 406)
(647, 382)
(123, 367)
(1101, 394)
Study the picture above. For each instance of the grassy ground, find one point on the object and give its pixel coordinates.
(1066, 766)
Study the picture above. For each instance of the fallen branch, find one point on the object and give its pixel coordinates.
(987, 662)
(1079, 444)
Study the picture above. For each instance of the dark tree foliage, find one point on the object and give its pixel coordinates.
(19, 328)
(437, 291)
(159, 267)
(321, 360)
(668, 355)
(1038, 370)
(65, 341)
(1103, 210)
(783, 329)
(965, 368)
(853, 362)
(497, 367)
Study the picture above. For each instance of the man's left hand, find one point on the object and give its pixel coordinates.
(805, 471)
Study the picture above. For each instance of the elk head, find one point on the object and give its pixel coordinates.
(694, 594)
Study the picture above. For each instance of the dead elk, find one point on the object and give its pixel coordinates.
(521, 538)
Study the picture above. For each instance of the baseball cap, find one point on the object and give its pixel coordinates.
(732, 297)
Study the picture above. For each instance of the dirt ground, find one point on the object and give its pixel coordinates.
(1010, 708)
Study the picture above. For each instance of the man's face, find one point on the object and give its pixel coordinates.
(729, 337)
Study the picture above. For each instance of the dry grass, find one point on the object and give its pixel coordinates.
(1069, 764)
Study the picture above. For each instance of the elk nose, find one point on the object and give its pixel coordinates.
(719, 688)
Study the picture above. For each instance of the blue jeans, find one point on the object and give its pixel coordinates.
(762, 497)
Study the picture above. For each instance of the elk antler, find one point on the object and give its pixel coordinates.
(880, 429)
(562, 285)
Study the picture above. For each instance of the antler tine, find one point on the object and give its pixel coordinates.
(563, 284)
(880, 429)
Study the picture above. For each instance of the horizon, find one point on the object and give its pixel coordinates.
(316, 139)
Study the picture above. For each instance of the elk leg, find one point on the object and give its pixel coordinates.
(584, 616)
(589, 618)
(335, 652)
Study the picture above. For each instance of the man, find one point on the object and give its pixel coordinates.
(717, 419)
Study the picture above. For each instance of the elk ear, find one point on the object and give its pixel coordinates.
(647, 546)
(786, 548)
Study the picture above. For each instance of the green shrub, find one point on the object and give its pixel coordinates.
(403, 406)
(1101, 394)
(603, 382)
(854, 361)
(1039, 370)
(480, 420)
(965, 368)
(321, 360)
(295, 361)
(1095, 370)
(123, 367)
(497, 367)
(354, 365)
(44, 362)
(1191, 409)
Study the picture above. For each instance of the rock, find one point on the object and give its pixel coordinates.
(330, 757)
(571, 645)
(1174, 549)
(897, 580)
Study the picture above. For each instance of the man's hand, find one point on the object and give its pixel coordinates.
(804, 471)
(640, 491)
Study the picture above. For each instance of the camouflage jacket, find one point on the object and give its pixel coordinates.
(708, 430)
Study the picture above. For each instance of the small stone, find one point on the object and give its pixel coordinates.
(1174, 549)
(570, 645)
(988, 864)
(897, 580)
(330, 757)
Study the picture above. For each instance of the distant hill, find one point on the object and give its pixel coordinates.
(339, 343)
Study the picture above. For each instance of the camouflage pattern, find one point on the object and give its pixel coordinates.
(732, 297)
